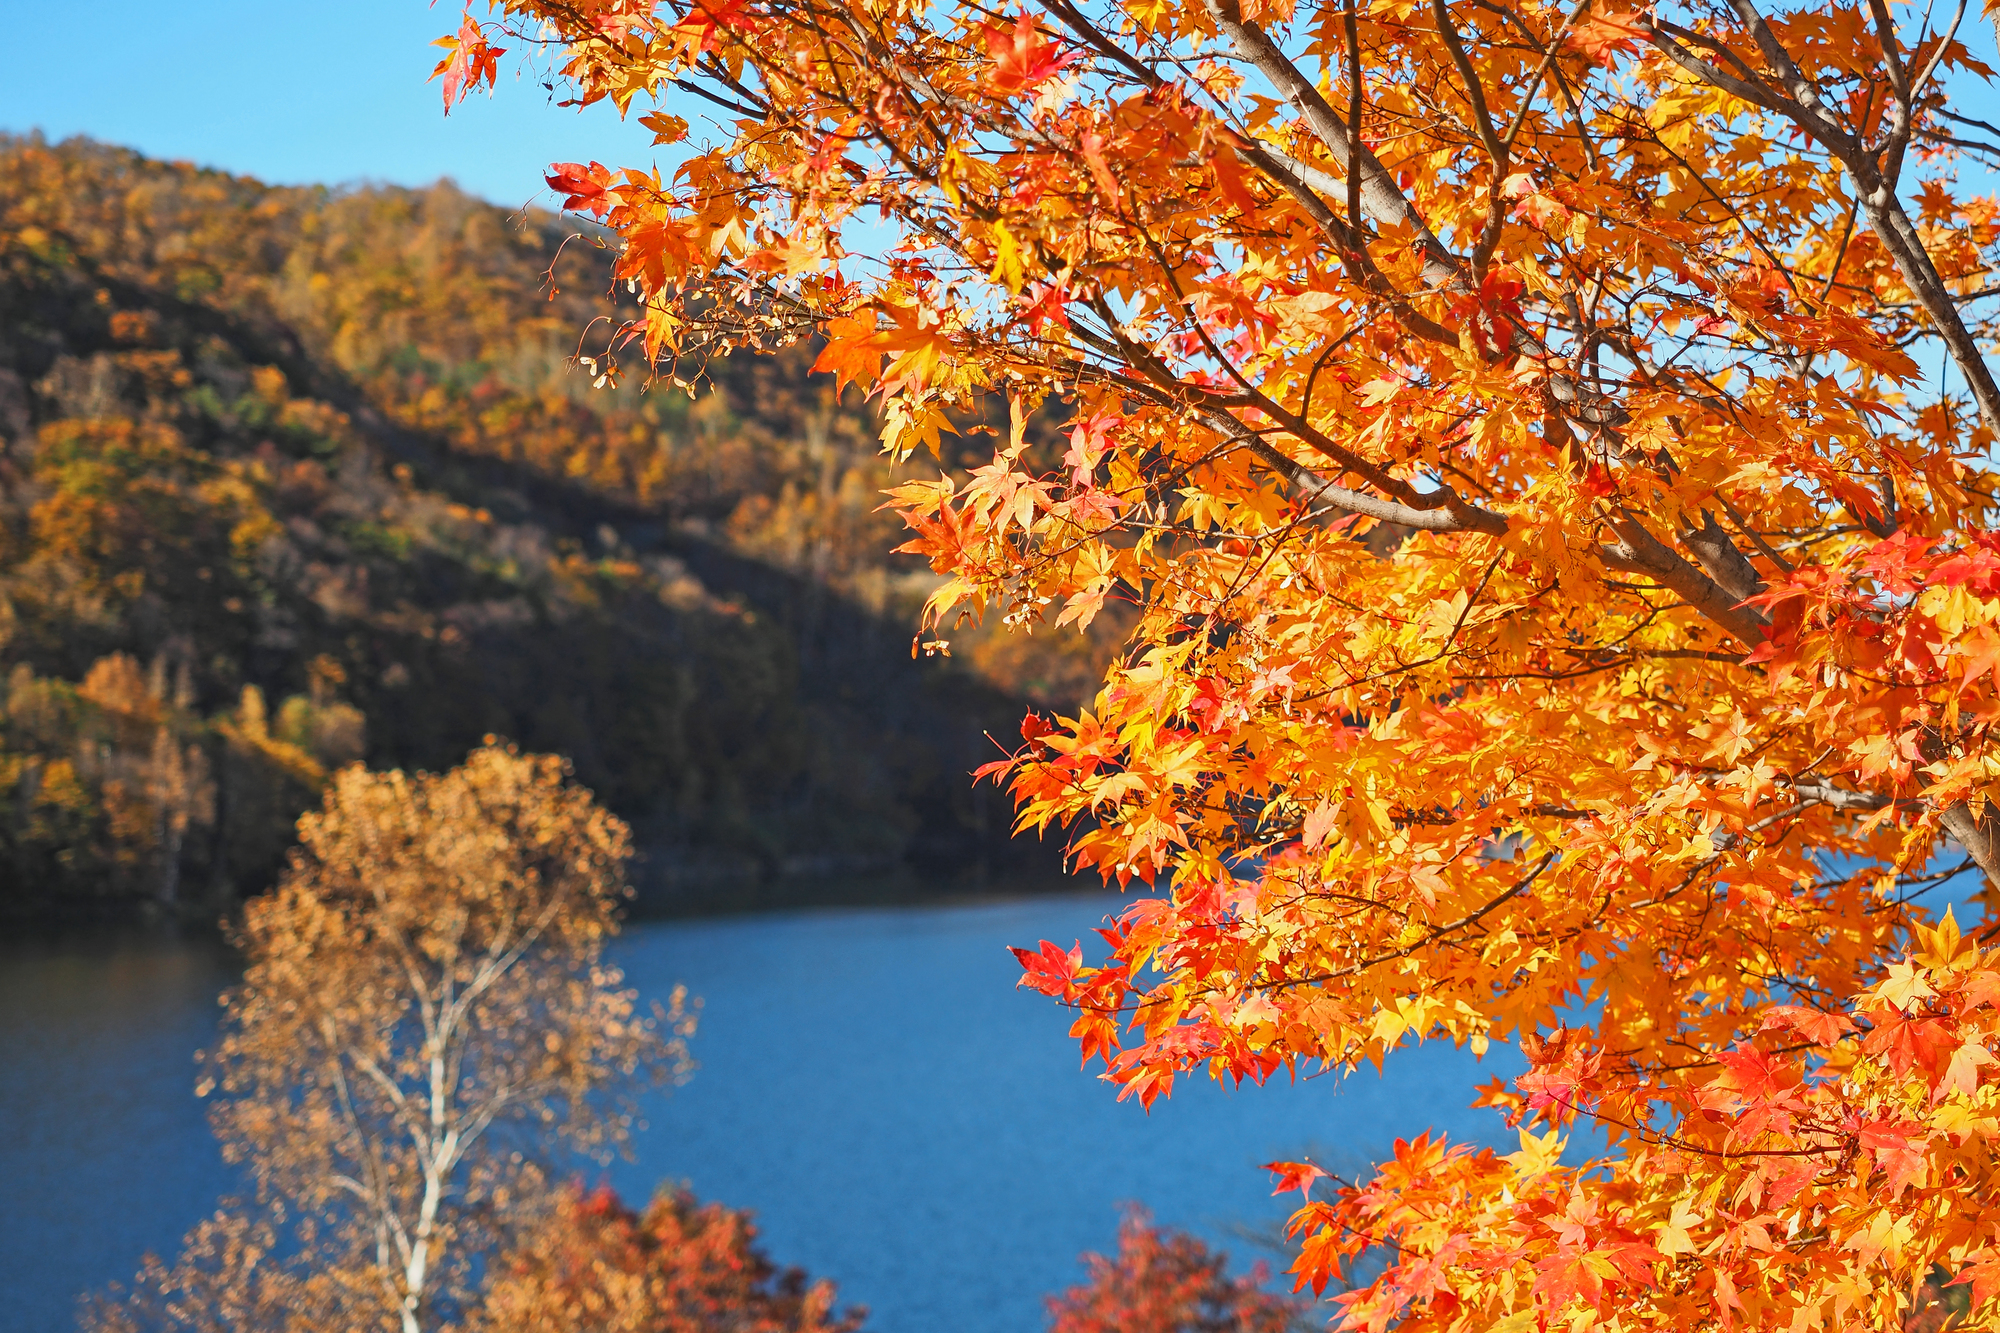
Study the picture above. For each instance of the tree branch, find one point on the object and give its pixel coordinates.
(1640, 552)
(1380, 197)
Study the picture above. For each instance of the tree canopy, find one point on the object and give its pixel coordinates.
(1547, 449)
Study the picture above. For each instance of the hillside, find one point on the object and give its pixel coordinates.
(293, 477)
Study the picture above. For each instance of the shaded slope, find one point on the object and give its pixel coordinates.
(274, 497)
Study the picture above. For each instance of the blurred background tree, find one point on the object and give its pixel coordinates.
(1164, 1281)
(595, 1266)
(425, 1022)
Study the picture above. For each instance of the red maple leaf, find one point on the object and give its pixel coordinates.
(1897, 1150)
(1821, 1029)
(1050, 970)
(584, 189)
(1022, 57)
(1909, 1043)
(1602, 36)
(1045, 305)
(471, 62)
(1295, 1176)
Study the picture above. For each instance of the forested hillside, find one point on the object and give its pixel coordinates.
(293, 477)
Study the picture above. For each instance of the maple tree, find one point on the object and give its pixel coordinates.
(1163, 1281)
(1546, 449)
(594, 1265)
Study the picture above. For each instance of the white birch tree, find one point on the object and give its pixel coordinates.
(426, 1014)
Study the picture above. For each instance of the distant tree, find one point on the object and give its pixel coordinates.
(1168, 1282)
(595, 1266)
(426, 1012)
(108, 774)
(154, 786)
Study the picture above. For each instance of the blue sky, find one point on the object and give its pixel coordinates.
(332, 91)
(290, 91)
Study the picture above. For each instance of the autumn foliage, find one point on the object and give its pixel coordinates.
(1163, 1281)
(595, 1266)
(426, 1028)
(291, 476)
(1547, 449)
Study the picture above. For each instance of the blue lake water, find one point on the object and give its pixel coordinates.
(900, 1118)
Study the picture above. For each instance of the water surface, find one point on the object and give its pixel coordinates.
(898, 1116)
(104, 1151)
